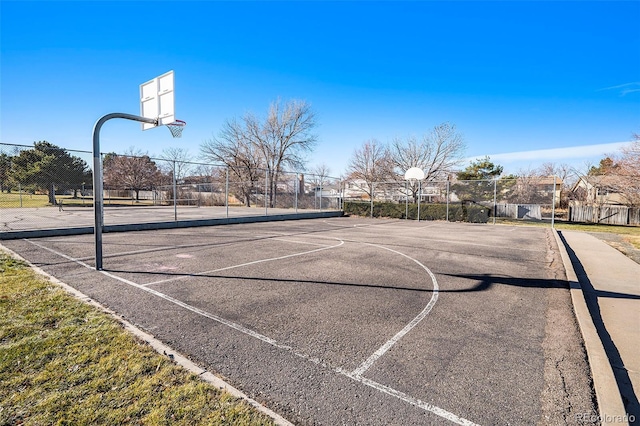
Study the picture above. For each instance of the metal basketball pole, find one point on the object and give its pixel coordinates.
(406, 201)
(98, 196)
(419, 197)
(175, 193)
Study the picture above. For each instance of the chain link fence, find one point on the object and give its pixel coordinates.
(45, 186)
(477, 201)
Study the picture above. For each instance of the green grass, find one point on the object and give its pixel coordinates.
(40, 200)
(27, 200)
(629, 234)
(13, 200)
(64, 362)
(632, 231)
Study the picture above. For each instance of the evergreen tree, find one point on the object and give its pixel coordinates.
(480, 176)
(49, 168)
(481, 169)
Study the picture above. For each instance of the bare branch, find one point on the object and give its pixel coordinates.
(437, 153)
(371, 163)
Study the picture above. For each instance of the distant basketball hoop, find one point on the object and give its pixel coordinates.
(176, 128)
(414, 174)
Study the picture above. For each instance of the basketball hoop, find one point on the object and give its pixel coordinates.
(176, 128)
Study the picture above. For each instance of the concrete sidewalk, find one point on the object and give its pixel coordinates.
(605, 287)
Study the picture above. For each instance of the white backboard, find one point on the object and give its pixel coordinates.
(414, 173)
(157, 100)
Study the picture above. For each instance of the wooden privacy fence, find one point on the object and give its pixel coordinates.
(519, 211)
(610, 215)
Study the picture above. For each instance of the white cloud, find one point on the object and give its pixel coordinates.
(574, 155)
(625, 89)
(574, 152)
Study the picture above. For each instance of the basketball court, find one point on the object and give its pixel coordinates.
(342, 320)
(351, 321)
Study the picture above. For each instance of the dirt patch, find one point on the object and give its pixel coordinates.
(622, 243)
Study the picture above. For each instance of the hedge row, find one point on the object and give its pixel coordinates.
(458, 212)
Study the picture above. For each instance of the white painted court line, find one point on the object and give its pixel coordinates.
(411, 400)
(78, 261)
(300, 242)
(160, 347)
(407, 328)
(183, 246)
(198, 311)
(226, 268)
(352, 375)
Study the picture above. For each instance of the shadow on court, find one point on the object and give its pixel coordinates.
(351, 333)
(274, 280)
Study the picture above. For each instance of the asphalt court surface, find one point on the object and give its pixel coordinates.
(341, 320)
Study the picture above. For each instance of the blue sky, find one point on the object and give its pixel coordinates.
(524, 82)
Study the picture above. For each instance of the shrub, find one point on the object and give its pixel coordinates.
(458, 212)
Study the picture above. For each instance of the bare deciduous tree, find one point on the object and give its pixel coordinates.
(584, 183)
(437, 153)
(529, 188)
(178, 160)
(628, 173)
(565, 175)
(283, 138)
(371, 163)
(279, 141)
(233, 148)
(320, 174)
(615, 179)
(562, 171)
(320, 177)
(133, 171)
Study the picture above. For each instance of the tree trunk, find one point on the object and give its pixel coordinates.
(52, 194)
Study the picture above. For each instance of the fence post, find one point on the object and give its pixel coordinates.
(226, 192)
(495, 206)
(553, 205)
(419, 196)
(266, 182)
(447, 198)
(175, 193)
(406, 201)
(372, 191)
(20, 192)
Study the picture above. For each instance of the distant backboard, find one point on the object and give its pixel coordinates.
(414, 173)
(157, 100)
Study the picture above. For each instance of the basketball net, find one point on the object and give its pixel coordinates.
(176, 128)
